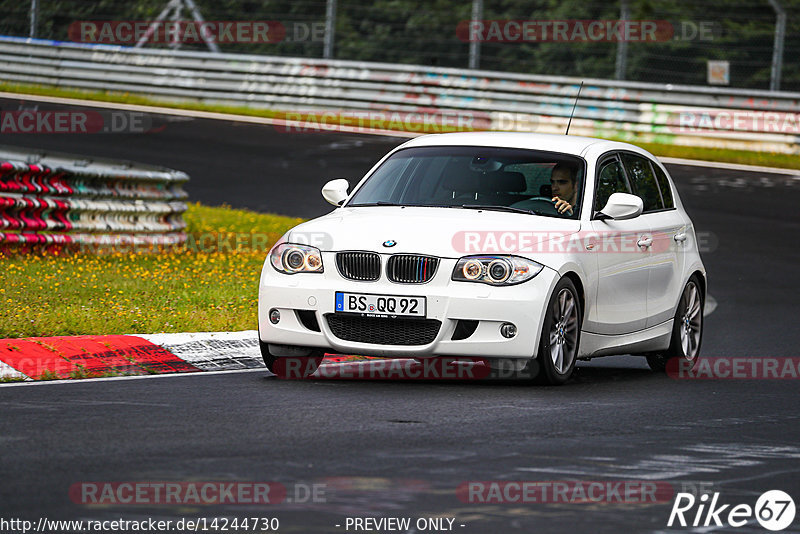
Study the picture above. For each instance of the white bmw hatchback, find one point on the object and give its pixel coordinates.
(528, 251)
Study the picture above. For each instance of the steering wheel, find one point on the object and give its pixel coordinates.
(540, 204)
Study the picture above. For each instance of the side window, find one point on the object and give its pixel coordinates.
(643, 181)
(610, 179)
(663, 186)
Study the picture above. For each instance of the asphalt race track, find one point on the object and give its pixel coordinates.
(401, 449)
(258, 167)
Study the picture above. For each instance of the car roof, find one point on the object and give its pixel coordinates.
(566, 144)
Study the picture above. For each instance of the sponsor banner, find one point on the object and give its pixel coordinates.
(204, 242)
(715, 121)
(527, 242)
(565, 492)
(586, 31)
(424, 121)
(75, 122)
(391, 369)
(736, 368)
(130, 32)
(564, 31)
(203, 493)
(467, 242)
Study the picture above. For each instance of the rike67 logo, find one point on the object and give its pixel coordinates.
(774, 510)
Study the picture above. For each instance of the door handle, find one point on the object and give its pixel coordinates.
(645, 242)
(681, 237)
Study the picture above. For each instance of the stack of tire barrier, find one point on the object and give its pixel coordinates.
(88, 205)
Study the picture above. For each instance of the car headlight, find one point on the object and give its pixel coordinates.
(495, 270)
(289, 258)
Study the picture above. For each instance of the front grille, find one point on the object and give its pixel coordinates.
(362, 266)
(381, 331)
(410, 269)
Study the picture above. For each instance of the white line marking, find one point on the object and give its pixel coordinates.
(197, 114)
(213, 351)
(6, 371)
(341, 129)
(136, 377)
(730, 166)
(182, 337)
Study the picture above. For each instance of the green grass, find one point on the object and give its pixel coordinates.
(744, 157)
(128, 98)
(676, 151)
(48, 375)
(188, 289)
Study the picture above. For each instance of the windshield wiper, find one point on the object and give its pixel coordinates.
(384, 203)
(497, 208)
(489, 207)
(378, 203)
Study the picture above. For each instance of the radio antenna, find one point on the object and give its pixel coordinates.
(573, 108)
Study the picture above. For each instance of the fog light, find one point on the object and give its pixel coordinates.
(508, 330)
(274, 316)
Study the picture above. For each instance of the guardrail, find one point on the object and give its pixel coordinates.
(633, 111)
(91, 205)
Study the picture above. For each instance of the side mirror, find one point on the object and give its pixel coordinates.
(621, 206)
(335, 191)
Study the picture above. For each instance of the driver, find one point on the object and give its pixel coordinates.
(565, 192)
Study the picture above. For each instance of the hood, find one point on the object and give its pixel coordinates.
(443, 232)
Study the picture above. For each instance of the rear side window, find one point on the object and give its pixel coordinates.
(643, 181)
(610, 179)
(663, 186)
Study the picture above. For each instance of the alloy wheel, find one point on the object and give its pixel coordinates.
(691, 324)
(564, 331)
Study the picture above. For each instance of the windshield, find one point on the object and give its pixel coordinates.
(505, 179)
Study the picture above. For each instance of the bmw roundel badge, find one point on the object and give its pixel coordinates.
(389, 243)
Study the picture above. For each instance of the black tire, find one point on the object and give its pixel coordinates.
(291, 366)
(561, 333)
(687, 331)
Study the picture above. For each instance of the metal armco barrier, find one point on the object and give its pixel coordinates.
(61, 200)
(684, 115)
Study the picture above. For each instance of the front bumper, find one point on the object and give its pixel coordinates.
(447, 301)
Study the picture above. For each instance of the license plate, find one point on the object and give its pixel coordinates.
(380, 305)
